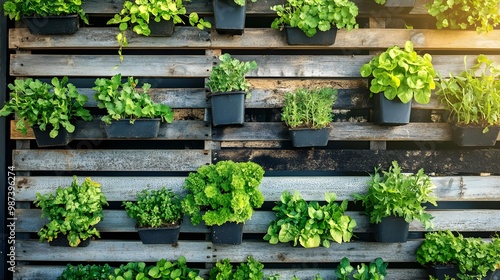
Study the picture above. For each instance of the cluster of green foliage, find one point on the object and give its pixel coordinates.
(310, 224)
(155, 208)
(46, 105)
(401, 73)
(163, 269)
(124, 101)
(249, 270)
(473, 256)
(312, 16)
(473, 99)
(229, 75)
(309, 108)
(86, 272)
(394, 193)
(461, 14)
(228, 191)
(138, 13)
(375, 270)
(73, 211)
(16, 9)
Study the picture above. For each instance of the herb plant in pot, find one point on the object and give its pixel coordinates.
(228, 89)
(308, 114)
(473, 101)
(314, 22)
(50, 109)
(224, 195)
(56, 17)
(398, 76)
(130, 113)
(158, 215)
(394, 200)
(73, 213)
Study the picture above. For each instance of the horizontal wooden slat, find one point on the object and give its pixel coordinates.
(110, 160)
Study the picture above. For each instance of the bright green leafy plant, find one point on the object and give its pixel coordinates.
(309, 108)
(73, 211)
(312, 16)
(310, 224)
(393, 193)
(229, 192)
(86, 272)
(224, 270)
(15, 9)
(401, 73)
(473, 98)
(229, 75)
(124, 101)
(49, 106)
(375, 270)
(163, 269)
(461, 14)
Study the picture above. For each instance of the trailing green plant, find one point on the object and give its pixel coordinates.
(310, 224)
(229, 75)
(122, 100)
(138, 13)
(401, 73)
(375, 270)
(49, 106)
(312, 16)
(224, 270)
(86, 272)
(393, 193)
(483, 15)
(16, 9)
(73, 211)
(228, 191)
(473, 98)
(155, 208)
(309, 108)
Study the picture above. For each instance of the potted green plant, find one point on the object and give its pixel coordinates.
(483, 15)
(72, 212)
(401, 75)
(375, 270)
(227, 192)
(228, 88)
(55, 17)
(86, 272)
(310, 224)
(152, 18)
(308, 114)
(229, 16)
(163, 269)
(314, 22)
(224, 270)
(130, 113)
(397, 6)
(50, 109)
(473, 100)
(158, 215)
(395, 199)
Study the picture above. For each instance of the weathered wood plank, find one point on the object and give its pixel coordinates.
(433, 161)
(110, 160)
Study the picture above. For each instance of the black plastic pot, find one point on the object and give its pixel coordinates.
(295, 36)
(141, 128)
(43, 139)
(52, 25)
(162, 235)
(229, 17)
(228, 108)
(228, 233)
(473, 136)
(390, 112)
(391, 230)
(440, 271)
(307, 137)
(163, 28)
(62, 241)
(399, 6)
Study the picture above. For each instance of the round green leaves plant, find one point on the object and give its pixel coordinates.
(229, 75)
(305, 108)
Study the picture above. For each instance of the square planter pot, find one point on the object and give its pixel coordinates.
(142, 128)
(62, 241)
(473, 136)
(295, 36)
(162, 235)
(163, 28)
(43, 139)
(391, 230)
(440, 271)
(229, 17)
(390, 112)
(399, 6)
(228, 233)
(307, 137)
(52, 25)
(228, 108)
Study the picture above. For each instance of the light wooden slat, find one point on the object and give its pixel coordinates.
(110, 160)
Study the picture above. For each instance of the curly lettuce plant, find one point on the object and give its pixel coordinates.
(309, 108)
(401, 73)
(228, 191)
(16, 9)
